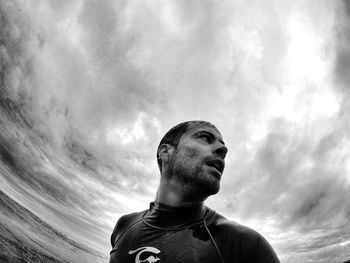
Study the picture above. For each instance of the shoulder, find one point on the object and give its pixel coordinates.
(248, 242)
(234, 229)
(123, 224)
(232, 226)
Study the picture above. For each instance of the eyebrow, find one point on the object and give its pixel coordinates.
(211, 134)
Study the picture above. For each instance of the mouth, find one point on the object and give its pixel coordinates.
(218, 164)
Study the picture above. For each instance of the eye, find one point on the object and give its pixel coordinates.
(205, 137)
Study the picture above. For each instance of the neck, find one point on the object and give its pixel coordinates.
(175, 194)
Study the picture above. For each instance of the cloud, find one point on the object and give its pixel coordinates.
(341, 74)
(91, 86)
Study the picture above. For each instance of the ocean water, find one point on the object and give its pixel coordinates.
(25, 181)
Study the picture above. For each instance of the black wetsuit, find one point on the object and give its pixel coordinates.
(186, 235)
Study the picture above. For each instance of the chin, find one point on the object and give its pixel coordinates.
(210, 188)
(215, 190)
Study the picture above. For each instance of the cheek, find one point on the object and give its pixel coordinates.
(193, 160)
(192, 157)
(191, 153)
(187, 157)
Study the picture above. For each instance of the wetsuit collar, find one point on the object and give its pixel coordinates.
(165, 216)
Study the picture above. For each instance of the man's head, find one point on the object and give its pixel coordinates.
(192, 153)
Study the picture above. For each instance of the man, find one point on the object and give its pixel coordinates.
(178, 228)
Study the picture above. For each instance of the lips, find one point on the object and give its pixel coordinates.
(218, 164)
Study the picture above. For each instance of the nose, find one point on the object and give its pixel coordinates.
(221, 150)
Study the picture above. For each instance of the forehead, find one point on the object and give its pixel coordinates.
(194, 128)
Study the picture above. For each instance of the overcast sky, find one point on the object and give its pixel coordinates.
(101, 81)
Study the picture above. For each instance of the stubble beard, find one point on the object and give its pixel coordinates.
(192, 177)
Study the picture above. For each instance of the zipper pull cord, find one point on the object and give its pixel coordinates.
(213, 241)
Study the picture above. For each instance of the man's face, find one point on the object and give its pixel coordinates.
(198, 160)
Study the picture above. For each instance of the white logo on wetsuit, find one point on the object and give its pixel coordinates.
(150, 259)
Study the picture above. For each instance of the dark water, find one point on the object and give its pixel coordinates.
(24, 236)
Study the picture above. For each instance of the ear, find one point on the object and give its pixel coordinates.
(165, 151)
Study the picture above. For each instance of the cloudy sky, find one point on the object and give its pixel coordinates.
(98, 82)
